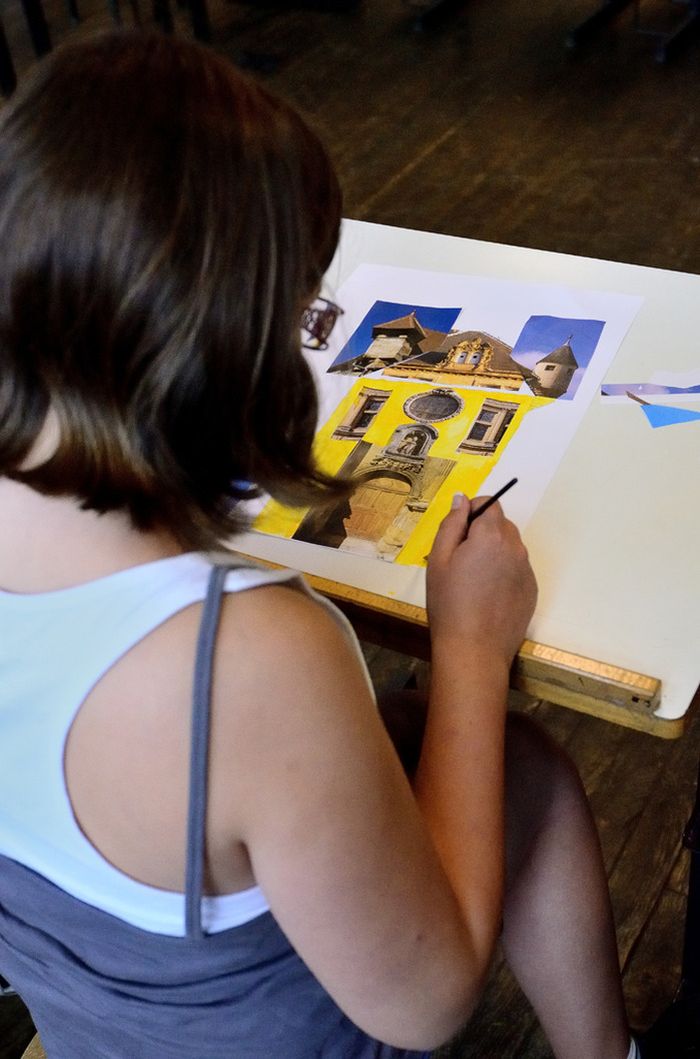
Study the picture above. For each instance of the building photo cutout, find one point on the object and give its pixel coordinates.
(409, 447)
(549, 358)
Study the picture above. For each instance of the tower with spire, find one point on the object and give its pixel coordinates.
(553, 373)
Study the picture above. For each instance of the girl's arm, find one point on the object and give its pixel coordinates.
(481, 594)
(391, 898)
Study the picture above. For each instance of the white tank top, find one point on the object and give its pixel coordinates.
(54, 648)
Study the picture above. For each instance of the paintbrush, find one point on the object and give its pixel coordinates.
(485, 506)
(491, 500)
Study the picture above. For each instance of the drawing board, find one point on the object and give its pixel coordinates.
(613, 537)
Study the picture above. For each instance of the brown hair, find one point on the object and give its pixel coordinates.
(163, 221)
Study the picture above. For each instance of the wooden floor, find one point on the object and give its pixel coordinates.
(489, 128)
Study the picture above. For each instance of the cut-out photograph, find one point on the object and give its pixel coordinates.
(549, 358)
(408, 448)
(554, 353)
(391, 333)
(396, 483)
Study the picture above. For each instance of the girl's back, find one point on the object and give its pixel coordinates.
(100, 958)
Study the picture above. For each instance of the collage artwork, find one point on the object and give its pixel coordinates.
(420, 401)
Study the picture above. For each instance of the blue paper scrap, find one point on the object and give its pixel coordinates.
(662, 416)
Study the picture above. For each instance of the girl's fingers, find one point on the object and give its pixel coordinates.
(453, 528)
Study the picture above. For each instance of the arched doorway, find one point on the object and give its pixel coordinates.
(373, 507)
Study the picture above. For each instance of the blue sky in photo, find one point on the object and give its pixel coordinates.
(543, 334)
(429, 316)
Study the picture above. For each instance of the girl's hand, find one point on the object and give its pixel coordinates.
(480, 585)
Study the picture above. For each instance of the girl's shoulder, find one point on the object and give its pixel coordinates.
(281, 631)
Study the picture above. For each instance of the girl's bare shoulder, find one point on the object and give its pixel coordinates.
(280, 639)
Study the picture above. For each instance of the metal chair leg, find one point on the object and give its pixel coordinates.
(8, 83)
(163, 15)
(588, 30)
(73, 12)
(37, 25)
(199, 19)
(672, 42)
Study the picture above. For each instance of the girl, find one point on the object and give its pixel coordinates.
(163, 223)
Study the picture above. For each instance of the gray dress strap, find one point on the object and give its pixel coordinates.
(199, 751)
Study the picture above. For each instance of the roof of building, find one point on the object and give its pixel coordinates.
(410, 322)
(564, 354)
(432, 357)
(436, 346)
(433, 340)
(501, 359)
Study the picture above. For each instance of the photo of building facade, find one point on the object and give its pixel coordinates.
(409, 447)
(404, 348)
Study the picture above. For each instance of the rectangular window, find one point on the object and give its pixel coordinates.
(488, 428)
(362, 414)
(478, 431)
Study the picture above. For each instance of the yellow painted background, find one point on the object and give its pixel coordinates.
(470, 469)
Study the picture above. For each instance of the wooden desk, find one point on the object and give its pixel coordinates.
(613, 541)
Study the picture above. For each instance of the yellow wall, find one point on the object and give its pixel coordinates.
(471, 469)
